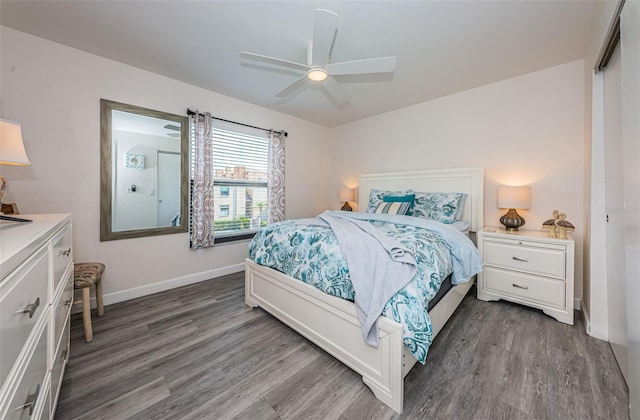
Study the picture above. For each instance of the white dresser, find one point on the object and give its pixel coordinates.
(36, 294)
(529, 268)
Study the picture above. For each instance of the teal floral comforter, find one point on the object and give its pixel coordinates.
(311, 254)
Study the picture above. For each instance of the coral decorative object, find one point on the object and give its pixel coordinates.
(558, 226)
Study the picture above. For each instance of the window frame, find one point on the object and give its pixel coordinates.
(240, 234)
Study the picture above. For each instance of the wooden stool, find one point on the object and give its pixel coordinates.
(85, 275)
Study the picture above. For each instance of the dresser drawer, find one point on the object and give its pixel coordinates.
(61, 307)
(31, 386)
(23, 301)
(60, 360)
(62, 254)
(534, 289)
(529, 259)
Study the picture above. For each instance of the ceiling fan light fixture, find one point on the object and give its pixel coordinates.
(317, 75)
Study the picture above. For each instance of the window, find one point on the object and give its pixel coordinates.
(238, 166)
(240, 181)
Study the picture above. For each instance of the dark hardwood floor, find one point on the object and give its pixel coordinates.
(199, 352)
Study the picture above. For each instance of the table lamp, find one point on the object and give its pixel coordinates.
(346, 195)
(513, 198)
(11, 153)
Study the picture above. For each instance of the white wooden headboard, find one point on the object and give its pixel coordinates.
(461, 180)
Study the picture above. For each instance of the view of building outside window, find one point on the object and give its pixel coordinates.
(240, 182)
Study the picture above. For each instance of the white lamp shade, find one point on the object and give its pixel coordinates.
(347, 194)
(11, 147)
(514, 197)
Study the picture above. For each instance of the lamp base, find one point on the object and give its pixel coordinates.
(346, 207)
(512, 220)
(3, 193)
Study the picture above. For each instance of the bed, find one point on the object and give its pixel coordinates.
(332, 323)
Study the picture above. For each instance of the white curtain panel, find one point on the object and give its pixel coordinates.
(275, 179)
(202, 227)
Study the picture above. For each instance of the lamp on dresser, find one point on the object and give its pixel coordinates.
(11, 153)
(347, 195)
(513, 198)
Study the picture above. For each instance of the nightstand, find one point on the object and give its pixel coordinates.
(529, 268)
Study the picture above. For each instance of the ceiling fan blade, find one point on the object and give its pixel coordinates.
(325, 26)
(366, 66)
(272, 60)
(336, 91)
(292, 87)
(172, 127)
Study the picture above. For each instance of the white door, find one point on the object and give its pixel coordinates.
(168, 187)
(614, 186)
(630, 44)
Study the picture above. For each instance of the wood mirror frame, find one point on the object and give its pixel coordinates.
(106, 176)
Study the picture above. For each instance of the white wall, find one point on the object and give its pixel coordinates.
(528, 130)
(525, 130)
(55, 91)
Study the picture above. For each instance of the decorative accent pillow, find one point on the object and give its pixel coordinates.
(441, 207)
(393, 207)
(461, 203)
(399, 198)
(376, 197)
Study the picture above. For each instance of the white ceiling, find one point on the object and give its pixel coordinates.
(442, 47)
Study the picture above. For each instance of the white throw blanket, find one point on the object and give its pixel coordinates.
(379, 267)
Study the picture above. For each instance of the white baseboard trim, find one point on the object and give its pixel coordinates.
(592, 330)
(577, 303)
(585, 318)
(161, 286)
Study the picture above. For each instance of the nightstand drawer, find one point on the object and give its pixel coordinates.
(535, 289)
(528, 259)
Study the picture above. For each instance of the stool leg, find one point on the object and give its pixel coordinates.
(99, 298)
(86, 314)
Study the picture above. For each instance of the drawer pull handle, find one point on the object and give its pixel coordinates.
(519, 286)
(30, 402)
(63, 355)
(521, 259)
(65, 253)
(30, 308)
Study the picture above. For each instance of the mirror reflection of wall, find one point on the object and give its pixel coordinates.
(139, 209)
(146, 171)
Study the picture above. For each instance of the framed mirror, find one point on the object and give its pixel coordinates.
(144, 177)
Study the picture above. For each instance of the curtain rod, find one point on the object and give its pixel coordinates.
(190, 112)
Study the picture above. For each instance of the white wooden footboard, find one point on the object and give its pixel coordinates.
(332, 324)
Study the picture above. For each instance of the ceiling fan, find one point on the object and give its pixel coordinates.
(174, 128)
(318, 69)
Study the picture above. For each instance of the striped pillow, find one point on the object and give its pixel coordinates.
(393, 207)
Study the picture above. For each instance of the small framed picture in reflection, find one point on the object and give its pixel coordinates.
(135, 161)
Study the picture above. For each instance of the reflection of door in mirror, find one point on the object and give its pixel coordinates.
(144, 178)
(168, 188)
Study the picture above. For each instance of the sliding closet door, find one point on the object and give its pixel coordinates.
(630, 47)
(614, 185)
